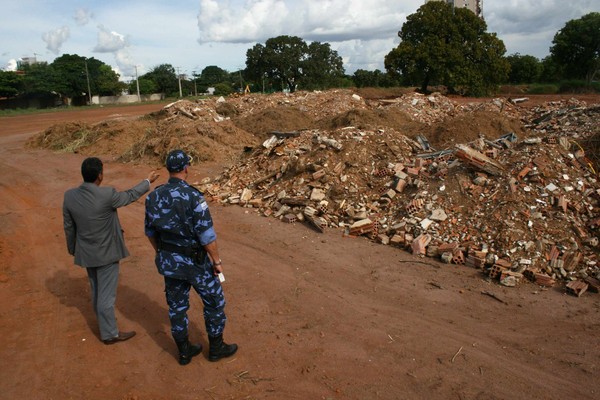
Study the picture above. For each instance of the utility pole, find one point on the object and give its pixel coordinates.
(137, 84)
(179, 81)
(87, 75)
(195, 89)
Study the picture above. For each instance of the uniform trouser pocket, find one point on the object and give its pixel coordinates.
(177, 293)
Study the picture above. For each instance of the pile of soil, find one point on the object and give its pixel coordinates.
(355, 152)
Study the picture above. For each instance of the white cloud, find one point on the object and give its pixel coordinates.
(55, 39)
(82, 16)
(110, 41)
(11, 65)
(367, 55)
(331, 21)
(361, 32)
(125, 64)
(528, 27)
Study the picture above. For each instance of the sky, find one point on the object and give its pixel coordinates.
(134, 36)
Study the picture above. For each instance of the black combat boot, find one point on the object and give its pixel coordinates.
(220, 349)
(187, 351)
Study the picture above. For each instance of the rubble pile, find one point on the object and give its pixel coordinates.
(195, 126)
(507, 189)
(514, 207)
(572, 119)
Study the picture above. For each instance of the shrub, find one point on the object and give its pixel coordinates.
(543, 89)
(223, 89)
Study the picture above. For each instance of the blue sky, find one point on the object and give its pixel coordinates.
(193, 34)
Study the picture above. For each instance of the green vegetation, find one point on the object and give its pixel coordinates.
(576, 48)
(443, 45)
(440, 46)
(288, 62)
(540, 88)
(524, 69)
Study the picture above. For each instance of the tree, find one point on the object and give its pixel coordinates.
(288, 61)
(524, 69)
(69, 77)
(377, 78)
(323, 67)
(223, 89)
(73, 74)
(443, 45)
(147, 86)
(576, 48)
(38, 79)
(11, 84)
(212, 75)
(164, 78)
(107, 81)
(280, 59)
(550, 71)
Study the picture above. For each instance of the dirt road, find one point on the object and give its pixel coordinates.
(316, 316)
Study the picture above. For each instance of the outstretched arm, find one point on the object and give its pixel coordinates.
(121, 199)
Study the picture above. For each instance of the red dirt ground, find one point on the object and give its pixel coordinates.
(316, 316)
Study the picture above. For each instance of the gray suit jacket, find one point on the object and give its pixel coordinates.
(92, 227)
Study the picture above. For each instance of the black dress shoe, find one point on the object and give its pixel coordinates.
(123, 336)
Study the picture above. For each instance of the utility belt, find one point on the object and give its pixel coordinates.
(184, 251)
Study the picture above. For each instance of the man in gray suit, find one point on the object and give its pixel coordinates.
(95, 237)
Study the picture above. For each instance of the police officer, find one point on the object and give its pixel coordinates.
(180, 228)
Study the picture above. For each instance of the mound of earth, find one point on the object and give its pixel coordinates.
(488, 183)
(191, 126)
(262, 122)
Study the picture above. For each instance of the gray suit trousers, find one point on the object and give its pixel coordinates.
(103, 282)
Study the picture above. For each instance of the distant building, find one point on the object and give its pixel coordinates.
(26, 61)
(474, 5)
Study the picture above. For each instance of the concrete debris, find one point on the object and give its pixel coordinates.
(507, 189)
(512, 207)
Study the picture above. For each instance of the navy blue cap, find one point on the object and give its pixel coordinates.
(177, 160)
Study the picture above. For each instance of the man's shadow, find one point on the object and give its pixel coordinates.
(74, 292)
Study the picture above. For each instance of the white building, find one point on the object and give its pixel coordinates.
(474, 5)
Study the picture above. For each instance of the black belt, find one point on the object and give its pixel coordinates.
(173, 248)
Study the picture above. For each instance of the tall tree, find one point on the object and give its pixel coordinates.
(164, 78)
(576, 48)
(443, 45)
(323, 67)
(280, 59)
(524, 69)
(75, 76)
(70, 77)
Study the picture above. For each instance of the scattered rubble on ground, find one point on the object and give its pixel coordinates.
(491, 185)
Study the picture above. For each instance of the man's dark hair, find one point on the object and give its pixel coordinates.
(90, 169)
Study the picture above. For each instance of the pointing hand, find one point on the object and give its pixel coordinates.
(152, 176)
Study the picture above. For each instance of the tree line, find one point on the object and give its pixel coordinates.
(439, 46)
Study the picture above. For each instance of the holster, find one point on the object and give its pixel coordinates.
(184, 251)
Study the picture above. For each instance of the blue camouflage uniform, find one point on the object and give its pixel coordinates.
(177, 215)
